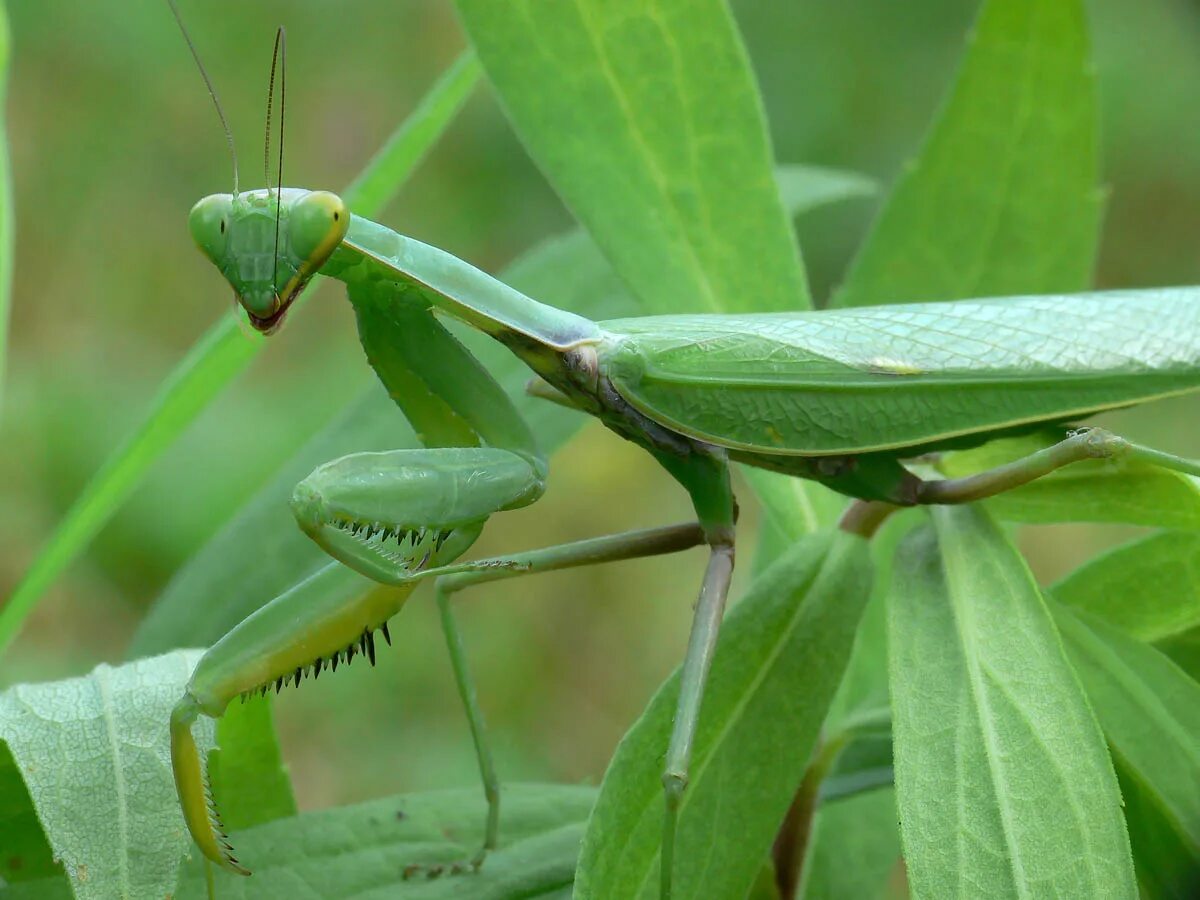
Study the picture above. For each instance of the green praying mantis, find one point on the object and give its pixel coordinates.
(842, 397)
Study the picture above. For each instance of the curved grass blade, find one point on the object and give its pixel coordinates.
(1002, 199)
(1003, 782)
(218, 356)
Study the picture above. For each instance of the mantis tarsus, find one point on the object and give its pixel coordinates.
(841, 397)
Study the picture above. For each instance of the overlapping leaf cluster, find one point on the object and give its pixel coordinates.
(1041, 741)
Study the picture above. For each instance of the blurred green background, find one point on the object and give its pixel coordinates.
(113, 138)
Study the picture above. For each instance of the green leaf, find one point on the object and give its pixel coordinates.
(854, 849)
(1150, 713)
(94, 753)
(8, 222)
(1148, 588)
(1003, 782)
(795, 627)
(645, 117)
(1002, 198)
(223, 352)
(1129, 492)
(361, 851)
(26, 856)
(261, 553)
(246, 770)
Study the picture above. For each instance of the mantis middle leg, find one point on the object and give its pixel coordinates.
(610, 548)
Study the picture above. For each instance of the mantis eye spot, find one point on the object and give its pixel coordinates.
(336, 216)
(222, 226)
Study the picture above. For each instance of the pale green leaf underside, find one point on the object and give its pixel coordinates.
(1003, 198)
(94, 754)
(794, 627)
(646, 119)
(1003, 781)
(841, 381)
(360, 852)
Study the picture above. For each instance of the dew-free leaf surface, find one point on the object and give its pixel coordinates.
(94, 755)
(1003, 782)
(361, 852)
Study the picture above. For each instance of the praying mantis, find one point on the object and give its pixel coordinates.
(840, 397)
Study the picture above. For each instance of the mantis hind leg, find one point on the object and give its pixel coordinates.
(610, 548)
(1086, 443)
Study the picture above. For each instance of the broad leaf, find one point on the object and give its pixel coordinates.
(362, 851)
(646, 119)
(94, 754)
(1150, 713)
(1003, 782)
(1003, 197)
(794, 627)
(220, 354)
(1148, 588)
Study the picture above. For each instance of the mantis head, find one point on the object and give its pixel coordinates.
(268, 244)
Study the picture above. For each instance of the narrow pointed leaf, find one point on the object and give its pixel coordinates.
(1150, 712)
(1003, 781)
(94, 754)
(1002, 199)
(362, 851)
(795, 627)
(1148, 588)
(220, 354)
(646, 119)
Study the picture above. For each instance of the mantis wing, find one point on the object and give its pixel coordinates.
(893, 377)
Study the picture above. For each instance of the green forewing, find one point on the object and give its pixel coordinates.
(854, 380)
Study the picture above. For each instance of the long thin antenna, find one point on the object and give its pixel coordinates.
(278, 55)
(212, 92)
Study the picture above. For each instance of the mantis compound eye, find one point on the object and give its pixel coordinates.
(316, 225)
(209, 225)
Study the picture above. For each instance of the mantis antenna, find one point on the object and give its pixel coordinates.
(212, 92)
(278, 55)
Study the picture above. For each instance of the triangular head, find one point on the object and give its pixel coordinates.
(268, 244)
